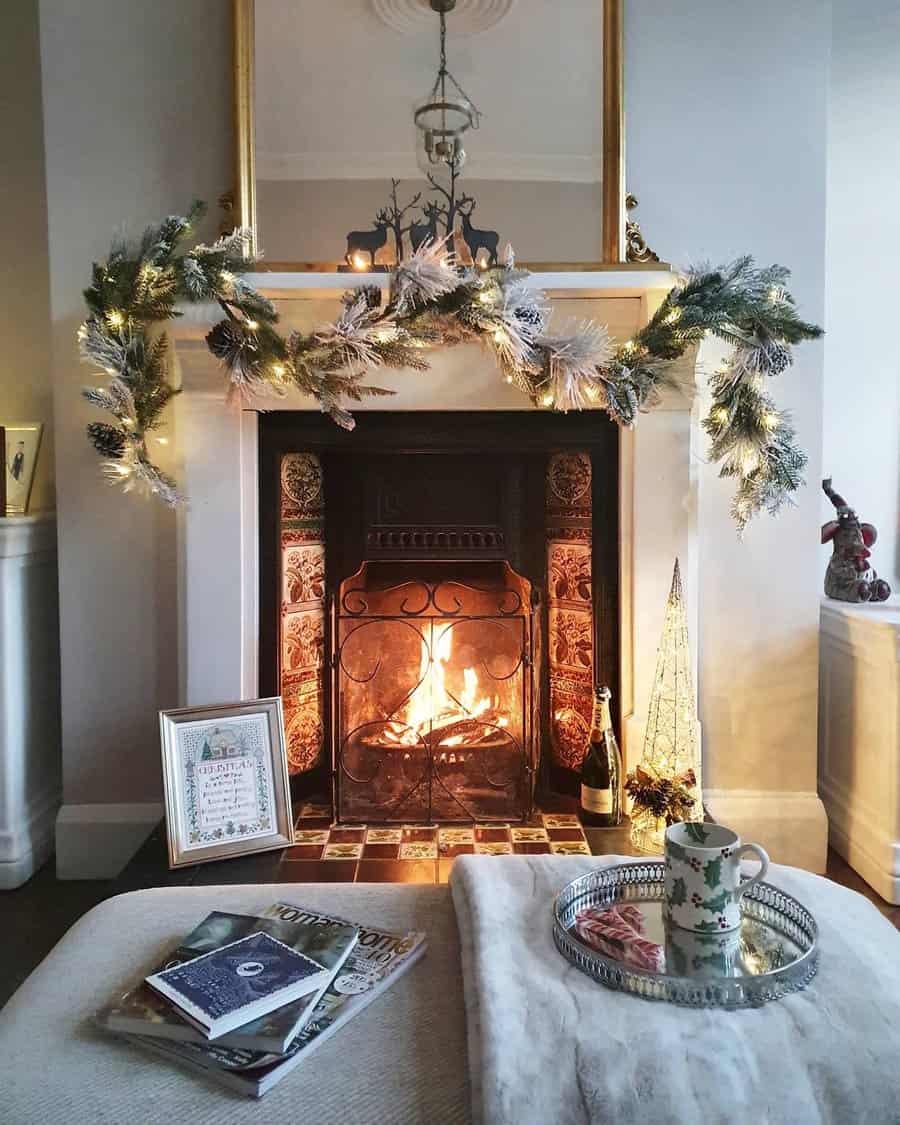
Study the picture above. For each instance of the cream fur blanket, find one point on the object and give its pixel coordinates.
(548, 1045)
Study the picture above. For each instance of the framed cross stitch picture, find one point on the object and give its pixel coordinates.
(226, 782)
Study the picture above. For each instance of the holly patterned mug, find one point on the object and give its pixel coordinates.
(703, 876)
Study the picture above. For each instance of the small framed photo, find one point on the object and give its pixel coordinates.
(225, 776)
(22, 442)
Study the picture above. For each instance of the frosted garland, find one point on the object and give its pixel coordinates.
(433, 301)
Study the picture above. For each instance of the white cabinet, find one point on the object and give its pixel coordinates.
(30, 758)
(859, 737)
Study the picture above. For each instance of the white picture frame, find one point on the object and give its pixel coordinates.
(226, 782)
(23, 443)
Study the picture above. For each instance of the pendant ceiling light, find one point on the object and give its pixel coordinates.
(446, 113)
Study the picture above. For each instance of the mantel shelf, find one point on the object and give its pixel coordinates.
(612, 281)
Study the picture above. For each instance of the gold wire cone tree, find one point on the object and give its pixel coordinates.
(670, 763)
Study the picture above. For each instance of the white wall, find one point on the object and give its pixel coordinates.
(137, 123)
(862, 363)
(726, 135)
(25, 394)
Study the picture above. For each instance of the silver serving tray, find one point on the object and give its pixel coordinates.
(776, 951)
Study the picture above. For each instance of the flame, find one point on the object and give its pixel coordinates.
(433, 706)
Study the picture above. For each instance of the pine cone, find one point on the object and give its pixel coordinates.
(531, 318)
(109, 441)
(226, 340)
(772, 357)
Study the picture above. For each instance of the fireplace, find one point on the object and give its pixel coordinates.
(434, 693)
(438, 592)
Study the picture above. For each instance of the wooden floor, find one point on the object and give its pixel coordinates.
(35, 916)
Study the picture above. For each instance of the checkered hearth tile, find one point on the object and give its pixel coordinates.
(386, 850)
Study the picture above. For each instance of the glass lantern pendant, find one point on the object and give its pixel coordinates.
(446, 113)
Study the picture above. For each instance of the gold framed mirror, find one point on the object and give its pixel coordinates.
(339, 168)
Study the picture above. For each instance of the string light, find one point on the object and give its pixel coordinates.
(674, 316)
(358, 262)
(82, 332)
(278, 370)
(770, 421)
(628, 346)
(500, 336)
(226, 277)
(486, 298)
(252, 325)
(162, 441)
(547, 400)
(115, 318)
(509, 378)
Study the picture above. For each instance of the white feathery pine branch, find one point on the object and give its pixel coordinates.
(576, 361)
(424, 276)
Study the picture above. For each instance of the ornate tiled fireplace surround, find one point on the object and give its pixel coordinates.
(226, 633)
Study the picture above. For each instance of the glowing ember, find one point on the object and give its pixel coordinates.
(440, 715)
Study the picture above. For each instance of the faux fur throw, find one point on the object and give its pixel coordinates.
(549, 1045)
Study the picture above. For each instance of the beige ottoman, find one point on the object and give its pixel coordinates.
(403, 1059)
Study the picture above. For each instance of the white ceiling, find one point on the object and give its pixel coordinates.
(335, 88)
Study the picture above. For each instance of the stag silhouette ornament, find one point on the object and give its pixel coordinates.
(849, 577)
(474, 238)
(420, 233)
(360, 242)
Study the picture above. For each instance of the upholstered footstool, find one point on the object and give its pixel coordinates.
(403, 1059)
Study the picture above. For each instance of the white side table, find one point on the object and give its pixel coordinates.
(859, 737)
(30, 753)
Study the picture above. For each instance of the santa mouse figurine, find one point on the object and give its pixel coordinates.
(850, 577)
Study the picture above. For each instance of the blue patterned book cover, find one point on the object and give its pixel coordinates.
(238, 982)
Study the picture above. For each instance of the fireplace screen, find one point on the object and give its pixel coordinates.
(434, 693)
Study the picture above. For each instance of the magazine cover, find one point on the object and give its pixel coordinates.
(141, 1011)
(377, 959)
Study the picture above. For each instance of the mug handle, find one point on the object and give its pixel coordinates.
(763, 858)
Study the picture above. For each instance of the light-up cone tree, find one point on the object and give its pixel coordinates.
(666, 785)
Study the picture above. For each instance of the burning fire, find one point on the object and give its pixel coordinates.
(435, 713)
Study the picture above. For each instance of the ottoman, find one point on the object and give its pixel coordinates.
(403, 1059)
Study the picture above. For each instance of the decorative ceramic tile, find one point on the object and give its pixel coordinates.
(384, 836)
(569, 847)
(311, 836)
(560, 820)
(342, 851)
(529, 835)
(310, 809)
(456, 835)
(570, 835)
(570, 603)
(419, 833)
(347, 834)
(302, 609)
(301, 488)
(569, 573)
(303, 574)
(490, 847)
(492, 833)
(303, 640)
(418, 850)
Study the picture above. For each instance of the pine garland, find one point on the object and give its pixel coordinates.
(434, 302)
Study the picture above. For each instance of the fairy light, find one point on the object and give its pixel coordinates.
(547, 400)
(674, 316)
(278, 370)
(82, 332)
(592, 392)
(770, 420)
(628, 346)
(486, 297)
(226, 277)
(509, 378)
(252, 325)
(720, 414)
(500, 337)
(358, 262)
(115, 318)
(162, 441)
(110, 370)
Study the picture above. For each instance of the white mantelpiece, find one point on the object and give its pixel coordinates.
(660, 456)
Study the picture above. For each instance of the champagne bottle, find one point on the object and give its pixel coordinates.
(601, 770)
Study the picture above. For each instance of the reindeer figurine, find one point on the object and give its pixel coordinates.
(420, 233)
(474, 238)
(368, 241)
(849, 577)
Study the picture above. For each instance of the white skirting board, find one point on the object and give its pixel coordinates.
(791, 826)
(96, 841)
(27, 843)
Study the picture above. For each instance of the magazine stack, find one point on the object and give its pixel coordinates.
(244, 999)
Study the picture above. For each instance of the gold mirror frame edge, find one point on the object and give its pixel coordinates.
(613, 184)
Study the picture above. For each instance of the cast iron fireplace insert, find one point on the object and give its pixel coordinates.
(438, 592)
